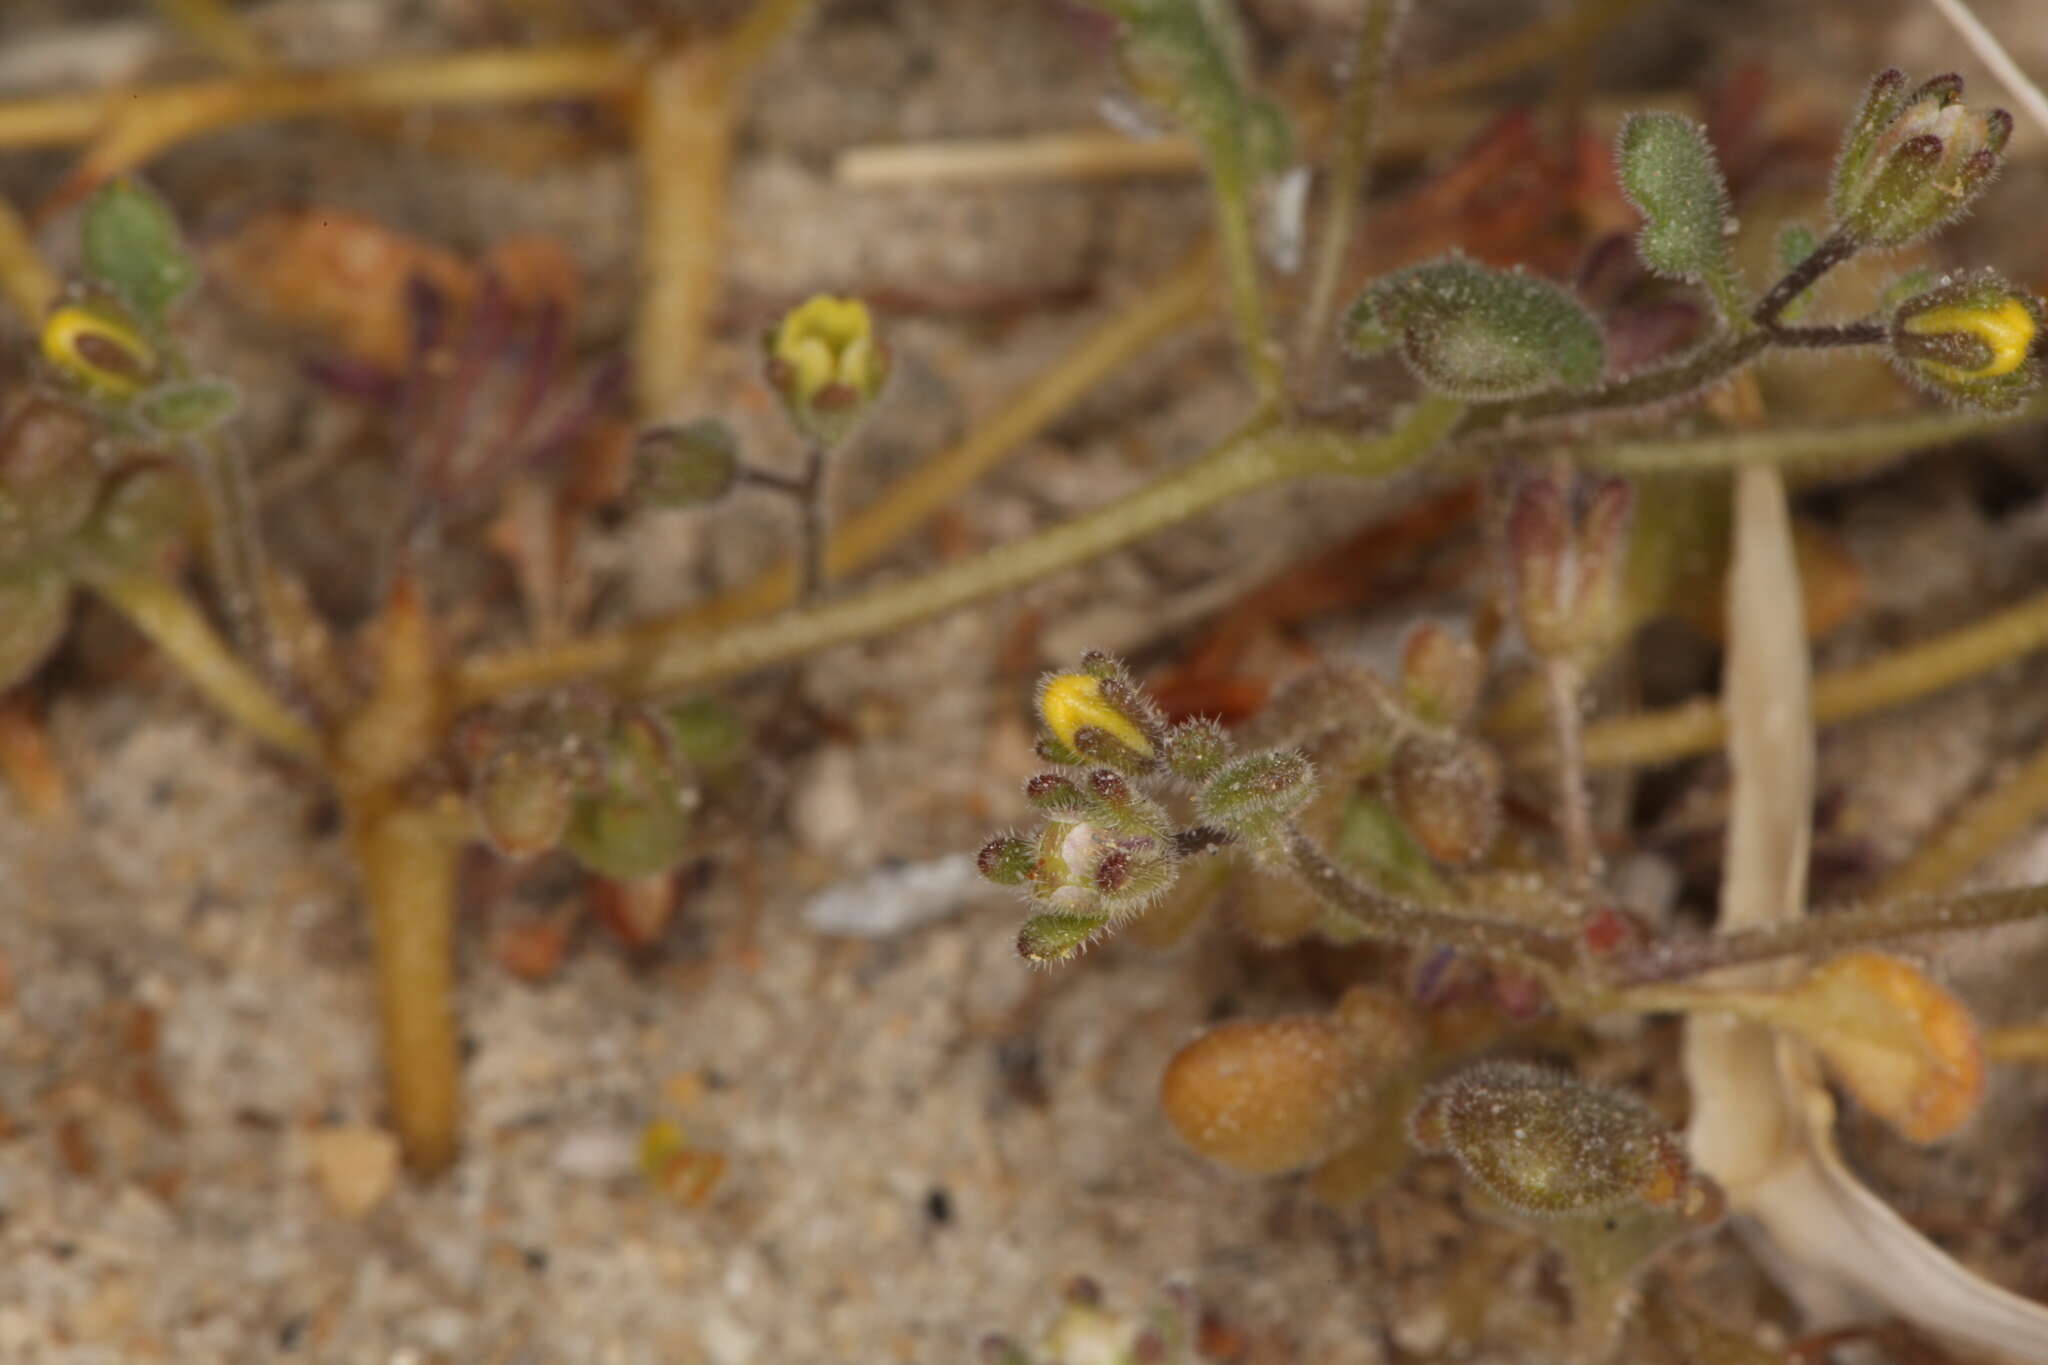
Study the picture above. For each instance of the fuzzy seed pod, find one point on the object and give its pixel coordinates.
(1544, 1143)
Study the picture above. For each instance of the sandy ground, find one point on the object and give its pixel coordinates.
(923, 1139)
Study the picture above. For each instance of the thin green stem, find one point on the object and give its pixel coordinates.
(1829, 932)
(173, 622)
(235, 547)
(1349, 166)
(1232, 192)
(1699, 726)
(666, 656)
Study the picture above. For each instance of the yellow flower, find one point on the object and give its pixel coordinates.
(1073, 702)
(2004, 325)
(98, 350)
(827, 363)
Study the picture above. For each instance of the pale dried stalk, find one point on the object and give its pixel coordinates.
(1763, 1119)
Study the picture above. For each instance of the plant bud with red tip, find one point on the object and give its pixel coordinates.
(1912, 161)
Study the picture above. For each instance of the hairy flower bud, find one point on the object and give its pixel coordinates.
(1258, 789)
(827, 364)
(94, 347)
(1912, 161)
(1058, 935)
(1567, 578)
(1441, 674)
(1973, 340)
(1007, 860)
(637, 820)
(1100, 718)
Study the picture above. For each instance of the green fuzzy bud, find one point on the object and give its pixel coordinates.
(638, 821)
(35, 605)
(1441, 675)
(1057, 794)
(1058, 935)
(685, 466)
(1008, 860)
(1545, 1143)
(132, 245)
(711, 735)
(1974, 340)
(50, 475)
(1258, 790)
(1480, 334)
(188, 407)
(1669, 173)
(1195, 749)
(524, 796)
(1912, 162)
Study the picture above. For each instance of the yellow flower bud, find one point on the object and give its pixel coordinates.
(1073, 702)
(1971, 339)
(97, 349)
(827, 363)
(2005, 327)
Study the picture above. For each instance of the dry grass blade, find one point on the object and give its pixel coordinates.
(1763, 1119)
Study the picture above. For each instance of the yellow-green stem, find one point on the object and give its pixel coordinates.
(408, 858)
(667, 657)
(1985, 824)
(1232, 189)
(1348, 167)
(1906, 675)
(173, 622)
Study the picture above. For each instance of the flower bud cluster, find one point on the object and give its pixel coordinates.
(1109, 847)
(109, 340)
